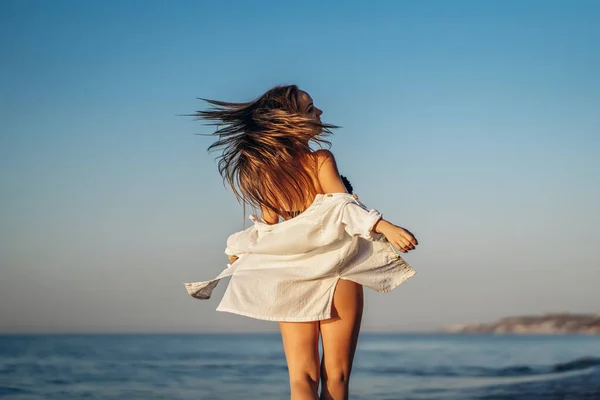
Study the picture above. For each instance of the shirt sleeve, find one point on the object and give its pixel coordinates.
(240, 242)
(234, 243)
(358, 220)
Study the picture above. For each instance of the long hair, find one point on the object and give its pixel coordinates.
(264, 148)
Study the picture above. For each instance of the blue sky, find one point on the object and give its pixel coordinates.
(473, 124)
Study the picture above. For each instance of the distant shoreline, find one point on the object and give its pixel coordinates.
(547, 324)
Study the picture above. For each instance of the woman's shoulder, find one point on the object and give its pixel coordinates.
(327, 173)
(322, 156)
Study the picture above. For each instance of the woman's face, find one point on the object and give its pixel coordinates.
(306, 106)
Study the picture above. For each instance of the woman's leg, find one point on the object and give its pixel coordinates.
(340, 336)
(301, 346)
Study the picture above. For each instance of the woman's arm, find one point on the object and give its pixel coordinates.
(330, 181)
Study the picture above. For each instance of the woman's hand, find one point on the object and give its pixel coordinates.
(399, 237)
(232, 259)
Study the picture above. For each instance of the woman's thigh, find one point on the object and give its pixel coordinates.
(340, 332)
(301, 346)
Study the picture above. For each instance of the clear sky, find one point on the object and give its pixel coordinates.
(475, 124)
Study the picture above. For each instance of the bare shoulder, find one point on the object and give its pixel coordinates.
(324, 156)
(328, 175)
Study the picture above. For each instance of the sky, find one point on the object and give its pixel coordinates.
(475, 125)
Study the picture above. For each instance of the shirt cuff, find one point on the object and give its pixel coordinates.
(359, 221)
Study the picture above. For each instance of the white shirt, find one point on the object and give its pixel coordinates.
(288, 271)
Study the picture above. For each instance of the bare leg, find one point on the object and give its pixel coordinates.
(301, 346)
(340, 336)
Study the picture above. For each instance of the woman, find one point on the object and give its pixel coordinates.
(305, 262)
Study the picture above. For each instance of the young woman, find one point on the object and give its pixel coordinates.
(304, 263)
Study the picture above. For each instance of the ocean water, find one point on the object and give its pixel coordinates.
(252, 366)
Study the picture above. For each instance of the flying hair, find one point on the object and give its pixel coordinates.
(265, 149)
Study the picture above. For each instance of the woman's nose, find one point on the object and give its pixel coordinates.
(319, 112)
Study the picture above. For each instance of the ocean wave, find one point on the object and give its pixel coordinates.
(9, 390)
(511, 371)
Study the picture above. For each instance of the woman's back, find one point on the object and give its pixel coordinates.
(325, 178)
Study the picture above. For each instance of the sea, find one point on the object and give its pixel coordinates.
(252, 366)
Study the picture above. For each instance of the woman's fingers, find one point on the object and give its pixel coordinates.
(402, 239)
(410, 237)
(406, 243)
(403, 244)
(400, 246)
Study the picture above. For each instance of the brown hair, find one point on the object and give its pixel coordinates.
(265, 148)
